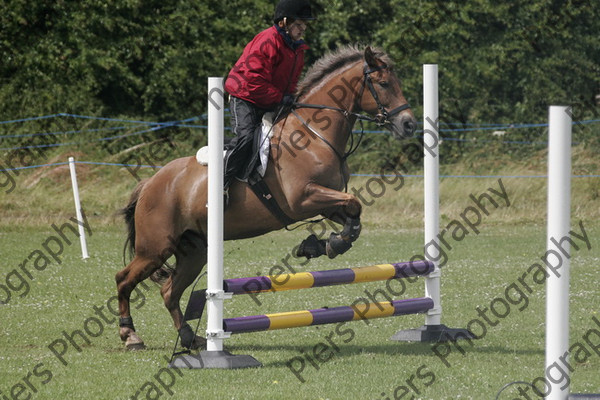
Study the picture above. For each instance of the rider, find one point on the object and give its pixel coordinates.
(264, 77)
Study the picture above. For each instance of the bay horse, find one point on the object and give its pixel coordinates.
(307, 171)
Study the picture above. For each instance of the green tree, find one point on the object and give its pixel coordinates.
(499, 61)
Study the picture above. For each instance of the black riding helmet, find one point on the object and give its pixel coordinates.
(294, 9)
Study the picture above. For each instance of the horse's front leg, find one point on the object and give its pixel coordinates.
(340, 207)
(339, 243)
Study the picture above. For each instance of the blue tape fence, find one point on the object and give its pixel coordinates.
(142, 127)
(357, 175)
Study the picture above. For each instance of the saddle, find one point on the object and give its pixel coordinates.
(257, 167)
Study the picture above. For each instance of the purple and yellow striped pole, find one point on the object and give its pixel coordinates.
(305, 280)
(320, 316)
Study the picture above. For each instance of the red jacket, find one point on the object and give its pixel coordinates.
(268, 68)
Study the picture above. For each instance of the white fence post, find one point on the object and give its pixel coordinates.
(78, 212)
(559, 217)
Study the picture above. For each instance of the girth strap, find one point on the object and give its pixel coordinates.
(262, 191)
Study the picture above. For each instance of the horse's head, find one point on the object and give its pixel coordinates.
(382, 96)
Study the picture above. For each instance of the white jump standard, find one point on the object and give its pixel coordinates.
(433, 330)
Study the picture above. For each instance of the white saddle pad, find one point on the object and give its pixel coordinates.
(265, 143)
(202, 155)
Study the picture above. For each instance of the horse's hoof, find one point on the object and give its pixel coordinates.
(311, 247)
(188, 338)
(134, 342)
(135, 346)
(198, 343)
(336, 246)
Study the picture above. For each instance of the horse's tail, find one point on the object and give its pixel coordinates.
(129, 215)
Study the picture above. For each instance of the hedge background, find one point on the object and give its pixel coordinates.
(499, 61)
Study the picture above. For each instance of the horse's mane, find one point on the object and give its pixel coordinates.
(333, 61)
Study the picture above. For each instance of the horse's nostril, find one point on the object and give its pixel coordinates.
(409, 127)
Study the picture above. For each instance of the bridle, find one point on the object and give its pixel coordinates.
(381, 118)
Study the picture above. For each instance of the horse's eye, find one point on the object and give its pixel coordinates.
(384, 84)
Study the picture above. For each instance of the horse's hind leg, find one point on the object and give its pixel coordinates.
(191, 258)
(127, 279)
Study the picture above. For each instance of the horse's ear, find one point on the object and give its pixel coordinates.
(370, 57)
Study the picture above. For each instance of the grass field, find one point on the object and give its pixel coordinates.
(59, 339)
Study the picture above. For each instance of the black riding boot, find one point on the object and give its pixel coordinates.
(245, 118)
